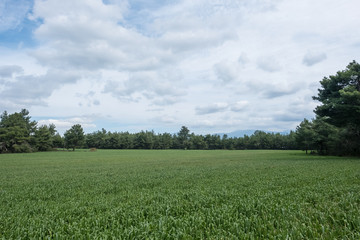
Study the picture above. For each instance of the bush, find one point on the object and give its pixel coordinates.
(22, 148)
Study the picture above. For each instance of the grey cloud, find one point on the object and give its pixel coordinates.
(89, 98)
(78, 57)
(160, 88)
(166, 100)
(9, 70)
(270, 87)
(16, 104)
(91, 93)
(31, 89)
(239, 106)
(243, 59)
(225, 72)
(186, 41)
(155, 109)
(356, 44)
(294, 111)
(306, 37)
(268, 64)
(312, 58)
(134, 53)
(276, 89)
(88, 95)
(274, 93)
(229, 71)
(213, 108)
(288, 117)
(164, 119)
(222, 107)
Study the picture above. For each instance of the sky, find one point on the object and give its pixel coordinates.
(215, 66)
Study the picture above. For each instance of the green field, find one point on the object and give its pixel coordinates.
(169, 194)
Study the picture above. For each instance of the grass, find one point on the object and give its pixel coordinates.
(169, 194)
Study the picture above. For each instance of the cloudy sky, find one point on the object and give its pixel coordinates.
(211, 65)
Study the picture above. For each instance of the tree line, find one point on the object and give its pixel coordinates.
(335, 130)
(186, 140)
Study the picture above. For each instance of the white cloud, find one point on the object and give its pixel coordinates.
(86, 35)
(64, 124)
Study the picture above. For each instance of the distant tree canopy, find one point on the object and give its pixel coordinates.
(186, 140)
(336, 128)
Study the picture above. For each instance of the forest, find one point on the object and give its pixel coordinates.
(335, 130)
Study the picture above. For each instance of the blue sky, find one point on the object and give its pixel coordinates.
(213, 66)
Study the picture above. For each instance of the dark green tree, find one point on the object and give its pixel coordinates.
(183, 138)
(144, 140)
(58, 141)
(340, 97)
(74, 137)
(325, 136)
(197, 142)
(16, 131)
(96, 139)
(126, 140)
(164, 141)
(213, 141)
(112, 140)
(44, 136)
(340, 104)
(239, 143)
(290, 141)
(305, 135)
(260, 140)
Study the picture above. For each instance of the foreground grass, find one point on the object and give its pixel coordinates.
(179, 195)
